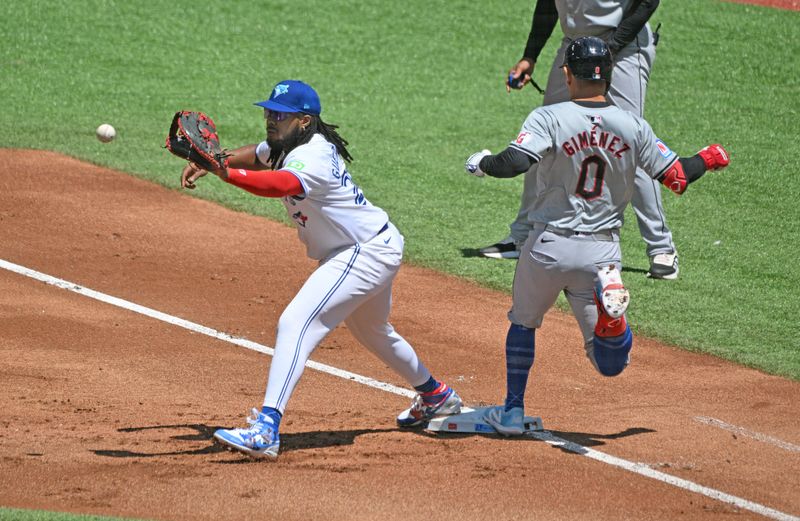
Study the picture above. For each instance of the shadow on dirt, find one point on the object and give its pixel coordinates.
(289, 441)
(596, 440)
(583, 439)
(324, 439)
(201, 433)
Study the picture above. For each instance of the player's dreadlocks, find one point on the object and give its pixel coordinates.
(301, 137)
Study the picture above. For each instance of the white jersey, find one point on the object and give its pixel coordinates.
(332, 214)
(588, 154)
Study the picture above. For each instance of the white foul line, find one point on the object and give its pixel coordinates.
(644, 470)
(197, 328)
(545, 436)
(750, 434)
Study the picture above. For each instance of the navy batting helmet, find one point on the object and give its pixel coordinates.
(588, 58)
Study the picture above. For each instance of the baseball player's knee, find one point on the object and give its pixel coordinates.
(285, 323)
(289, 327)
(611, 355)
(524, 319)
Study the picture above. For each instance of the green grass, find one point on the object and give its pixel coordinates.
(416, 87)
(13, 514)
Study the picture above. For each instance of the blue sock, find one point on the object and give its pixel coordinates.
(520, 349)
(428, 386)
(613, 352)
(274, 414)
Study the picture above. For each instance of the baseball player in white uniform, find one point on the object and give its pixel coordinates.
(303, 161)
(623, 25)
(588, 151)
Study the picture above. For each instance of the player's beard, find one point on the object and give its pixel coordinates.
(275, 145)
(285, 145)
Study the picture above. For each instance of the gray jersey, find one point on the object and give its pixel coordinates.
(587, 162)
(632, 66)
(590, 18)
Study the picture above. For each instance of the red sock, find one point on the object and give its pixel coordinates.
(442, 387)
(607, 326)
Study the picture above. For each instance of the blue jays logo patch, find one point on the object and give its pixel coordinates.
(280, 89)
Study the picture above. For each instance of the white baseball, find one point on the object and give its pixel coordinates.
(106, 133)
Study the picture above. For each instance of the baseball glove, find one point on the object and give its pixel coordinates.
(193, 136)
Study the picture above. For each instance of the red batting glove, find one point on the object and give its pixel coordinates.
(715, 157)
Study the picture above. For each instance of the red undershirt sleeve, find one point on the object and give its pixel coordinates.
(266, 183)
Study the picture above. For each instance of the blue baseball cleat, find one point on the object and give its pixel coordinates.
(442, 402)
(260, 440)
(507, 423)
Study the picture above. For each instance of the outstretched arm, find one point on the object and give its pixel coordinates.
(242, 157)
(265, 183)
(687, 170)
(511, 162)
(245, 157)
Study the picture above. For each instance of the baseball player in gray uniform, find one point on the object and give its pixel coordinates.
(588, 152)
(303, 161)
(623, 25)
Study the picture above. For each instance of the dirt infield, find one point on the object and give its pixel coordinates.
(106, 411)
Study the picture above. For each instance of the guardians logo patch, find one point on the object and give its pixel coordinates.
(664, 149)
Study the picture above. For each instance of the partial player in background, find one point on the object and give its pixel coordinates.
(623, 25)
(303, 161)
(588, 152)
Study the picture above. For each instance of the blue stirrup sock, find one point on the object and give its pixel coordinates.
(429, 386)
(273, 414)
(520, 350)
(612, 353)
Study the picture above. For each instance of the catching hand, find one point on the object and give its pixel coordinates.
(191, 173)
(193, 136)
(472, 165)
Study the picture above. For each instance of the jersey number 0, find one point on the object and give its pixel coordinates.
(598, 168)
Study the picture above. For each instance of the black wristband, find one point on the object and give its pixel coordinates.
(693, 167)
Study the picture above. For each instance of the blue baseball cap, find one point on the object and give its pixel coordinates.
(293, 96)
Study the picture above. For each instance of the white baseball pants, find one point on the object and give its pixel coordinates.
(354, 286)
